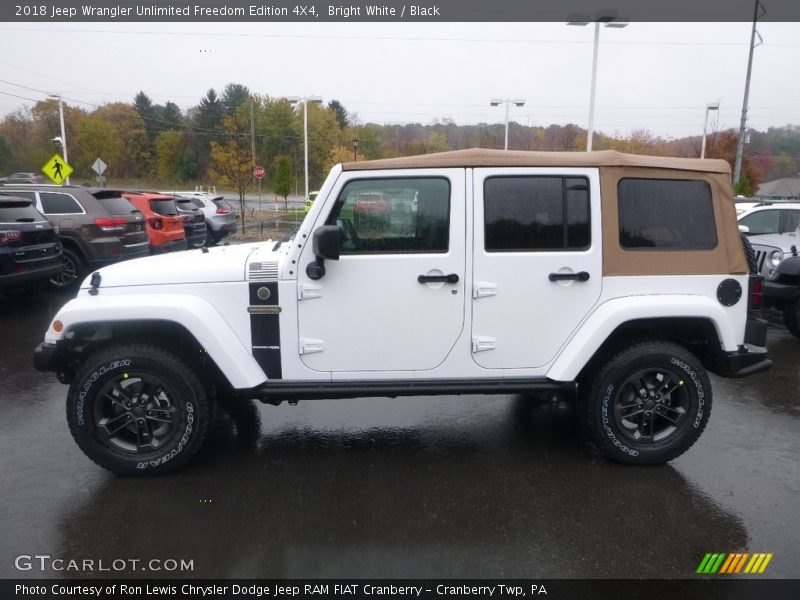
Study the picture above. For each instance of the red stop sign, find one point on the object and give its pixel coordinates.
(259, 172)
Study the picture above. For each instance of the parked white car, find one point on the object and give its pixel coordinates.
(769, 217)
(615, 280)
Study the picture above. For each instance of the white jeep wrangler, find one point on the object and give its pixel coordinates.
(619, 280)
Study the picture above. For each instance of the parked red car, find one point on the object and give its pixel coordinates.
(164, 223)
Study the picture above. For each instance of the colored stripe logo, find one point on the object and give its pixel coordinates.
(733, 563)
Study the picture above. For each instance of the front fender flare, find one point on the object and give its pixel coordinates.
(195, 314)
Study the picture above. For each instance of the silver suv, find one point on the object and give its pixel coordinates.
(220, 216)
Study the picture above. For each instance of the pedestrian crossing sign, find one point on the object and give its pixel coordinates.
(57, 169)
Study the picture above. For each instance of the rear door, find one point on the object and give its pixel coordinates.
(537, 267)
(394, 301)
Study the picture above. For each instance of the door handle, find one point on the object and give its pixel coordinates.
(579, 276)
(452, 278)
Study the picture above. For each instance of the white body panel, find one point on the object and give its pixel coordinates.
(520, 316)
(369, 312)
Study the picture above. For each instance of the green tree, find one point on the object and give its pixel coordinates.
(96, 138)
(169, 117)
(282, 182)
(276, 131)
(170, 151)
(188, 169)
(233, 96)
(136, 158)
(323, 135)
(340, 113)
(436, 142)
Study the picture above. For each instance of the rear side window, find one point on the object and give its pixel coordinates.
(166, 208)
(223, 204)
(672, 214)
(18, 212)
(538, 213)
(118, 206)
(57, 203)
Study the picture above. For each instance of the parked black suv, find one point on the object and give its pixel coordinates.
(30, 252)
(194, 222)
(96, 227)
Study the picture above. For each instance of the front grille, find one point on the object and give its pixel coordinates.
(761, 256)
(263, 271)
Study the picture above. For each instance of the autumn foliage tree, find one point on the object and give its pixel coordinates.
(282, 182)
(231, 162)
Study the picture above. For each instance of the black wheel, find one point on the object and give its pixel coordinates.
(749, 254)
(647, 403)
(138, 410)
(73, 273)
(792, 319)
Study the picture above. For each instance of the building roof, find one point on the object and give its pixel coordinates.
(481, 157)
(788, 187)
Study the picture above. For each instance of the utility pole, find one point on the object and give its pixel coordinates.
(737, 171)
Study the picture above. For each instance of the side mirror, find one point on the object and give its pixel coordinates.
(326, 243)
(744, 229)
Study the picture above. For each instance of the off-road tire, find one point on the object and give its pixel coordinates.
(165, 379)
(608, 391)
(792, 319)
(749, 254)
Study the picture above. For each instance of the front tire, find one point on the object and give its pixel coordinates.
(138, 410)
(647, 403)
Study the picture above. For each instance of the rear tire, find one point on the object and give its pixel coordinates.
(646, 404)
(73, 274)
(137, 409)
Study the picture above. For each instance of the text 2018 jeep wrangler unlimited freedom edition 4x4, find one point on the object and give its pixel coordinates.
(620, 278)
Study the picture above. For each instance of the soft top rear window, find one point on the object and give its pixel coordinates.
(165, 207)
(117, 205)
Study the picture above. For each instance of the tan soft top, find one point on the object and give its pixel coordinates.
(481, 157)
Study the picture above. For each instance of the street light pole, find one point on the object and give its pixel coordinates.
(63, 131)
(610, 19)
(709, 108)
(508, 102)
(305, 100)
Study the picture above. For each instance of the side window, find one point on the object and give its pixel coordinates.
(55, 203)
(403, 215)
(763, 221)
(792, 220)
(28, 195)
(523, 214)
(674, 214)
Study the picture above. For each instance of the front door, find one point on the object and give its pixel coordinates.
(537, 262)
(394, 301)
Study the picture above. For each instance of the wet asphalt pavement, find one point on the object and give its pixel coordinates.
(469, 486)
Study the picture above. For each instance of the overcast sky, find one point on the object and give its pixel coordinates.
(655, 76)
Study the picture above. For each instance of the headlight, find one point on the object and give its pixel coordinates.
(775, 257)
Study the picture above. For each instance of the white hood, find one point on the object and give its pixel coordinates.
(220, 264)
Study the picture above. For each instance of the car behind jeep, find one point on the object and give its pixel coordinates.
(617, 281)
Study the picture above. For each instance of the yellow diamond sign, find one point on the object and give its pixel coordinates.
(57, 169)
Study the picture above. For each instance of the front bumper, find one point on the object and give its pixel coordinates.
(44, 357)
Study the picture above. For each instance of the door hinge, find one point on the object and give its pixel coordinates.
(482, 289)
(309, 346)
(307, 291)
(481, 344)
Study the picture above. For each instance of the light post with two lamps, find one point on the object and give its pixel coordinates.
(305, 100)
(508, 102)
(62, 141)
(610, 19)
(709, 108)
